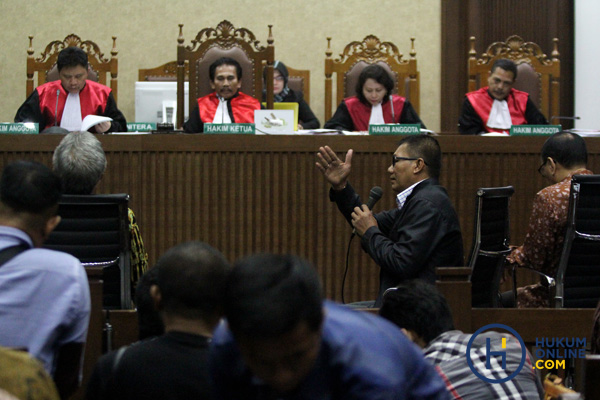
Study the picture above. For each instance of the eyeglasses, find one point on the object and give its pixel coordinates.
(542, 166)
(396, 158)
(278, 78)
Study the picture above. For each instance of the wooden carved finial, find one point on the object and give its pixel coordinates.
(270, 39)
(180, 37)
(328, 52)
(472, 52)
(555, 53)
(413, 52)
(114, 51)
(30, 49)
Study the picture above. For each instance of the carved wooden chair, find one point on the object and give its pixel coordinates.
(211, 44)
(299, 80)
(45, 65)
(536, 73)
(356, 56)
(166, 72)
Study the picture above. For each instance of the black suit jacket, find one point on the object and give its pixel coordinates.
(409, 243)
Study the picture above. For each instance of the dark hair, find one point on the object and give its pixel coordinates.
(191, 279)
(507, 65)
(71, 57)
(268, 295)
(279, 66)
(149, 322)
(30, 187)
(377, 73)
(80, 162)
(427, 148)
(566, 148)
(224, 61)
(418, 306)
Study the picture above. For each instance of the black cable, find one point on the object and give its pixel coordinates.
(346, 271)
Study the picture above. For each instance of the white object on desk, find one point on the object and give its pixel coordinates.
(157, 101)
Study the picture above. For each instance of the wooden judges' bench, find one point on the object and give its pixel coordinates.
(246, 193)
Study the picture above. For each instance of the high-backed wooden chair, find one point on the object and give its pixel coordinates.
(211, 44)
(166, 72)
(536, 73)
(45, 65)
(356, 56)
(299, 80)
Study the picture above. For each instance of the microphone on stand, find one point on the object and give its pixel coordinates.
(374, 196)
(56, 107)
(55, 128)
(393, 118)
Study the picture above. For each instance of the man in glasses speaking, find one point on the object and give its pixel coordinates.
(421, 233)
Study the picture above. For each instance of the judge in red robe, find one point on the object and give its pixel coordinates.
(373, 104)
(66, 102)
(496, 107)
(226, 104)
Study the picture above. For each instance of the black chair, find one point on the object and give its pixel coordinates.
(578, 275)
(491, 236)
(95, 229)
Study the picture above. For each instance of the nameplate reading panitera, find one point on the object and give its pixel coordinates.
(534, 130)
(20, 127)
(238, 129)
(141, 126)
(395, 129)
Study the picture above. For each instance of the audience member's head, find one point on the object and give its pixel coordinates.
(29, 193)
(149, 322)
(191, 280)
(566, 148)
(374, 85)
(225, 77)
(80, 162)
(274, 307)
(419, 309)
(501, 79)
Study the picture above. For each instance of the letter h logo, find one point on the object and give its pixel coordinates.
(489, 354)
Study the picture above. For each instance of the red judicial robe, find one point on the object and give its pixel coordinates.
(242, 107)
(361, 113)
(482, 104)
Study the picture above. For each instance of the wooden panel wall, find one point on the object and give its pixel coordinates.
(492, 21)
(245, 194)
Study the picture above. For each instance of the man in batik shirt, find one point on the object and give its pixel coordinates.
(564, 154)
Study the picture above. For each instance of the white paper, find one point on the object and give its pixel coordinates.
(92, 120)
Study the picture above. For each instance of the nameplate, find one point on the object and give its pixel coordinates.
(19, 127)
(239, 129)
(141, 126)
(395, 129)
(531, 130)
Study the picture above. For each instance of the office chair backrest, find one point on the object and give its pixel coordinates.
(95, 229)
(578, 276)
(490, 244)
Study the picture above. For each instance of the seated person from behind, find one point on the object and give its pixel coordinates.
(44, 294)
(564, 154)
(498, 104)
(371, 105)
(77, 98)
(283, 94)
(80, 162)
(226, 104)
(282, 341)
(423, 314)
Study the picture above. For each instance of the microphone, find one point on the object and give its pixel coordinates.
(374, 196)
(56, 107)
(393, 122)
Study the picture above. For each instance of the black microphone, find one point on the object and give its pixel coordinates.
(374, 196)
(56, 108)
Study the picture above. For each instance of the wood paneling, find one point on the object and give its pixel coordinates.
(245, 194)
(494, 21)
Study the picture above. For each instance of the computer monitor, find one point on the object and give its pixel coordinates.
(157, 102)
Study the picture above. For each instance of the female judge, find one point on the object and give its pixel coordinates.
(283, 94)
(372, 104)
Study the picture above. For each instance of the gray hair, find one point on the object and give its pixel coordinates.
(79, 161)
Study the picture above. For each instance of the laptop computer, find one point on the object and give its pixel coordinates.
(274, 122)
(287, 106)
